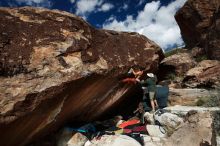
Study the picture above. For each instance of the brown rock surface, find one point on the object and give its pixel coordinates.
(197, 52)
(180, 62)
(196, 131)
(206, 73)
(55, 67)
(199, 22)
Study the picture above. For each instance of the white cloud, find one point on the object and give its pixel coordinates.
(124, 7)
(39, 3)
(140, 2)
(85, 7)
(111, 18)
(106, 7)
(72, 1)
(155, 22)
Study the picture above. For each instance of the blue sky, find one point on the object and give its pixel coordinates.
(152, 18)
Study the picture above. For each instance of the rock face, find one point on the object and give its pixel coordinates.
(180, 62)
(206, 73)
(191, 96)
(55, 67)
(199, 22)
(173, 68)
(184, 71)
(197, 51)
(183, 110)
(196, 131)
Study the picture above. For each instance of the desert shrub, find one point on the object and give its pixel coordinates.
(173, 51)
(216, 122)
(208, 101)
(200, 102)
(213, 101)
(201, 58)
(171, 76)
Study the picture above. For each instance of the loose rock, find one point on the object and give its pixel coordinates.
(77, 139)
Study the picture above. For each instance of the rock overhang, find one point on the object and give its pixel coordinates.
(56, 67)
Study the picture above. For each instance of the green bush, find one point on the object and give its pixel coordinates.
(208, 101)
(173, 51)
(201, 101)
(216, 122)
(171, 76)
(213, 101)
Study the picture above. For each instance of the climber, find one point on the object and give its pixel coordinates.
(133, 75)
(139, 112)
(150, 83)
(137, 73)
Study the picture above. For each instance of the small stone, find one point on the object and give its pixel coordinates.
(149, 117)
(77, 139)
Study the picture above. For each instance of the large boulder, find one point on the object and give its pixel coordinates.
(199, 22)
(55, 67)
(198, 53)
(206, 73)
(180, 62)
(115, 140)
(197, 130)
(174, 67)
(169, 121)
